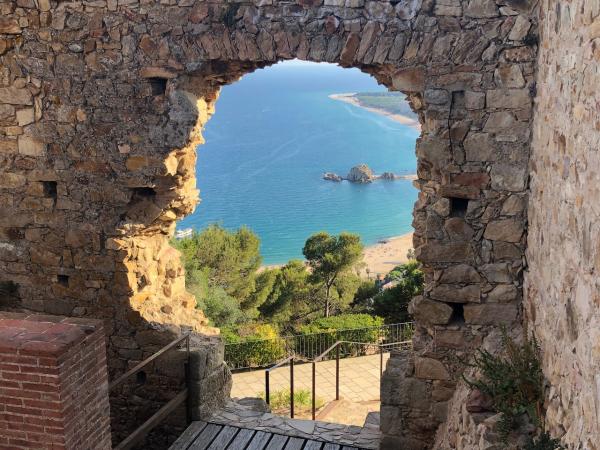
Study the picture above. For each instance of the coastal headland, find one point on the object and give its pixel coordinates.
(350, 97)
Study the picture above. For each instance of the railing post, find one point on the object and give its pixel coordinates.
(337, 373)
(267, 388)
(314, 394)
(380, 362)
(188, 406)
(292, 388)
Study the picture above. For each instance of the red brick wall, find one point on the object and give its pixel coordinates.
(53, 383)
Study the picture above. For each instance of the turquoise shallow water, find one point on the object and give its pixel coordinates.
(273, 135)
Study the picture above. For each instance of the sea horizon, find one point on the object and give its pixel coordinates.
(275, 133)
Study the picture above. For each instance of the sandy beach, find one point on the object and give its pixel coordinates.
(379, 258)
(348, 97)
(387, 254)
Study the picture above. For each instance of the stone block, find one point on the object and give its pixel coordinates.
(500, 121)
(9, 25)
(490, 313)
(479, 147)
(436, 96)
(509, 76)
(502, 293)
(458, 229)
(434, 150)
(460, 273)
(430, 369)
(497, 272)
(474, 100)
(519, 29)
(25, 116)
(442, 207)
(508, 98)
(452, 293)
(430, 311)
(481, 9)
(409, 79)
(509, 177)
(30, 146)
(12, 180)
(442, 390)
(440, 411)
(446, 338)
(15, 96)
(504, 250)
(506, 230)
(440, 252)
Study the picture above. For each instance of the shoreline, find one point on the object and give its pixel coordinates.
(379, 258)
(348, 97)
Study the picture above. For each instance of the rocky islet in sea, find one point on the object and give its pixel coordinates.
(363, 174)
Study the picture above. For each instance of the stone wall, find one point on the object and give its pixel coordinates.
(562, 284)
(101, 108)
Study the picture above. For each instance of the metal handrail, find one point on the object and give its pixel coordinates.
(249, 354)
(291, 360)
(336, 346)
(142, 431)
(151, 358)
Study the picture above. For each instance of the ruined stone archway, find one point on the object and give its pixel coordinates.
(104, 102)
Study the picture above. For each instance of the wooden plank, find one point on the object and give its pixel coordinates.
(313, 445)
(224, 437)
(140, 433)
(241, 439)
(277, 442)
(330, 446)
(204, 439)
(259, 441)
(187, 437)
(294, 444)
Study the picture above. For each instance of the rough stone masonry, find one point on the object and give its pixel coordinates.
(102, 103)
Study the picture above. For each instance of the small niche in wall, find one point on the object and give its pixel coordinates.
(141, 377)
(8, 293)
(63, 280)
(458, 313)
(458, 206)
(158, 85)
(143, 192)
(50, 189)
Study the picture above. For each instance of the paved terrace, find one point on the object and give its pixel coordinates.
(359, 379)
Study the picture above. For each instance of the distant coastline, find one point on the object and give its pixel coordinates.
(349, 97)
(379, 258)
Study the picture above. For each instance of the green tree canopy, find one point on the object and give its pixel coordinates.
(292, 297)
(229, 259)
(331, 257)
(392, 303)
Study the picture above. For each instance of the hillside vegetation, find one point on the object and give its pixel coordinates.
(322, 292)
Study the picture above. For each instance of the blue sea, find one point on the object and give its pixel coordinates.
(274, 133)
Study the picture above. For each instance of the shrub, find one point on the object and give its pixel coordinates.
(279, 401)
(543, 442)
(320, 334)
(514, 381)
(252, 345)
